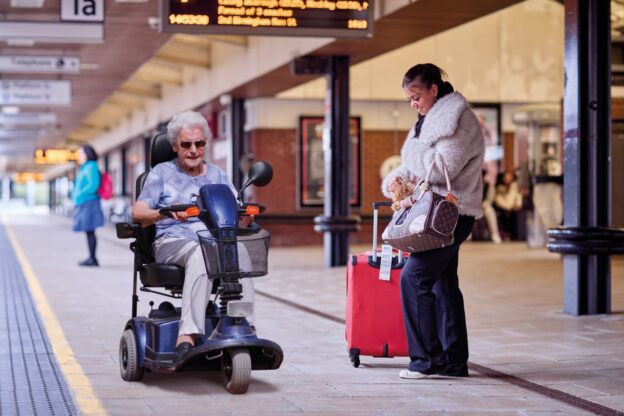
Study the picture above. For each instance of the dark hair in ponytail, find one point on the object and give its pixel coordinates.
(426, 75)
(89, 152)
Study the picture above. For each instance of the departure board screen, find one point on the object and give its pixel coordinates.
(321, 18)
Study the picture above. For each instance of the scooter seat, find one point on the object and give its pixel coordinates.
(162, 275)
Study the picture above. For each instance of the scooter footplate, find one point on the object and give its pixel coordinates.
(265, 355)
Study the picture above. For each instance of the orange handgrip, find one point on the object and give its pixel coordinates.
(192, 212)
(252, 210)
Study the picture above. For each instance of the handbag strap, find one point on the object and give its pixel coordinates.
(425, 188)
(448, 181)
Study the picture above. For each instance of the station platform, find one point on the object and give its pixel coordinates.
(527, 357)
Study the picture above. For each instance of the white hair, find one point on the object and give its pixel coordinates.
(187, 120)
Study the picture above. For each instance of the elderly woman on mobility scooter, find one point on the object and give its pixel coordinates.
(175, 182)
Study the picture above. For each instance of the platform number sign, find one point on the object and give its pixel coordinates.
(82, 10)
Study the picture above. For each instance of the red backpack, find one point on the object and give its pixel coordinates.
(105, 191)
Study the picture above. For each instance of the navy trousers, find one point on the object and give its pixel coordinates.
(433, 307)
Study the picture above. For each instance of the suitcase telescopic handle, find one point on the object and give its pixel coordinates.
(376, 206)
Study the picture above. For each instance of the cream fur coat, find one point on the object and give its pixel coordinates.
(450, 133)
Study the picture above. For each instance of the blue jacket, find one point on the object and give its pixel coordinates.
(87, 183)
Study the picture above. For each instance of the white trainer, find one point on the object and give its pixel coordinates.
(412, 374)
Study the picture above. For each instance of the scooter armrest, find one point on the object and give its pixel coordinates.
(126, 230)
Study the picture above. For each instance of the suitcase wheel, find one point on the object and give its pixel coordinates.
(354, 355)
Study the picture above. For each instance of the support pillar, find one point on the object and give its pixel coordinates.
(237, 128)
(586, 147)
(335, 223)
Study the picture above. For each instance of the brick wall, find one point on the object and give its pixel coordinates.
(617, 108)
(293, 225)
(278, 148)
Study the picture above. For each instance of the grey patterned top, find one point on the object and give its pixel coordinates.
(167, 184)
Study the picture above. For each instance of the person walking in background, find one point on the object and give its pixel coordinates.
(508, 201)
(447, 133)
(489, 214)
(87, 210)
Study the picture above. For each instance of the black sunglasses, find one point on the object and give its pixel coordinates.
(187, 145)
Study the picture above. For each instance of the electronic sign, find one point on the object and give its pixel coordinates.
(320, 18)
(55, 156)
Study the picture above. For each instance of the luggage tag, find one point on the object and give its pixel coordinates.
(386, 262)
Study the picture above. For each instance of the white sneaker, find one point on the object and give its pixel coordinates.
(412, 374)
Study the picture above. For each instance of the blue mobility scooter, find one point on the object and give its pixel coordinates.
(230, 344)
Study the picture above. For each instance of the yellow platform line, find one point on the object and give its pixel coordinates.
(77, 381)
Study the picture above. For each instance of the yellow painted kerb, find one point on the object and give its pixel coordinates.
(79, 384)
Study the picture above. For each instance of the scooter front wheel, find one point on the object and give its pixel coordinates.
(128, 357)
(236, 370)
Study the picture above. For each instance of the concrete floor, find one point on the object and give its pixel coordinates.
(513, 297)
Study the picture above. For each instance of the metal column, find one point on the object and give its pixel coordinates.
(124, 171)
(52, 194)
(147, 143)
(336, 222)
(237, 128)
(587, 136)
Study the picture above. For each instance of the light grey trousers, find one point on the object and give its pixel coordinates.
(197, 287)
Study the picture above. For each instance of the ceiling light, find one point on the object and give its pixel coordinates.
(51, 32)
(20, 42)
(27, 3)
(10, 109)
(225, 99)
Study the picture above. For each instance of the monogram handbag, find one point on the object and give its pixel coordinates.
(426, 225)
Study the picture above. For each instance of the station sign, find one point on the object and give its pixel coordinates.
(35, 92)
(82, 11)
(40, 64)
(55, 156)
(23, 177)
(320, 18)
(28, 119)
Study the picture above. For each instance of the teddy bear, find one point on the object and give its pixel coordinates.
(401, 190)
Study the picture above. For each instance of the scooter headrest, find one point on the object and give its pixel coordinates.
(161, 150)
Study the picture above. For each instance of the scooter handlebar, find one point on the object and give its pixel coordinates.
(251, 209)
(191, 210)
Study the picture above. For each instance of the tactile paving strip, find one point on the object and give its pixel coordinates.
(31, 382)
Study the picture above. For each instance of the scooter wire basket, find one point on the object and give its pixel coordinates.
(252, 252)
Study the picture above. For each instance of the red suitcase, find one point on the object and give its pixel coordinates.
(374, 324)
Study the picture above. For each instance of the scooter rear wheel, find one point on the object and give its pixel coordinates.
(236, 370)
(128, 357)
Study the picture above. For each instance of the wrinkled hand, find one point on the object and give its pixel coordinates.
(245, 221)
(180, 216)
